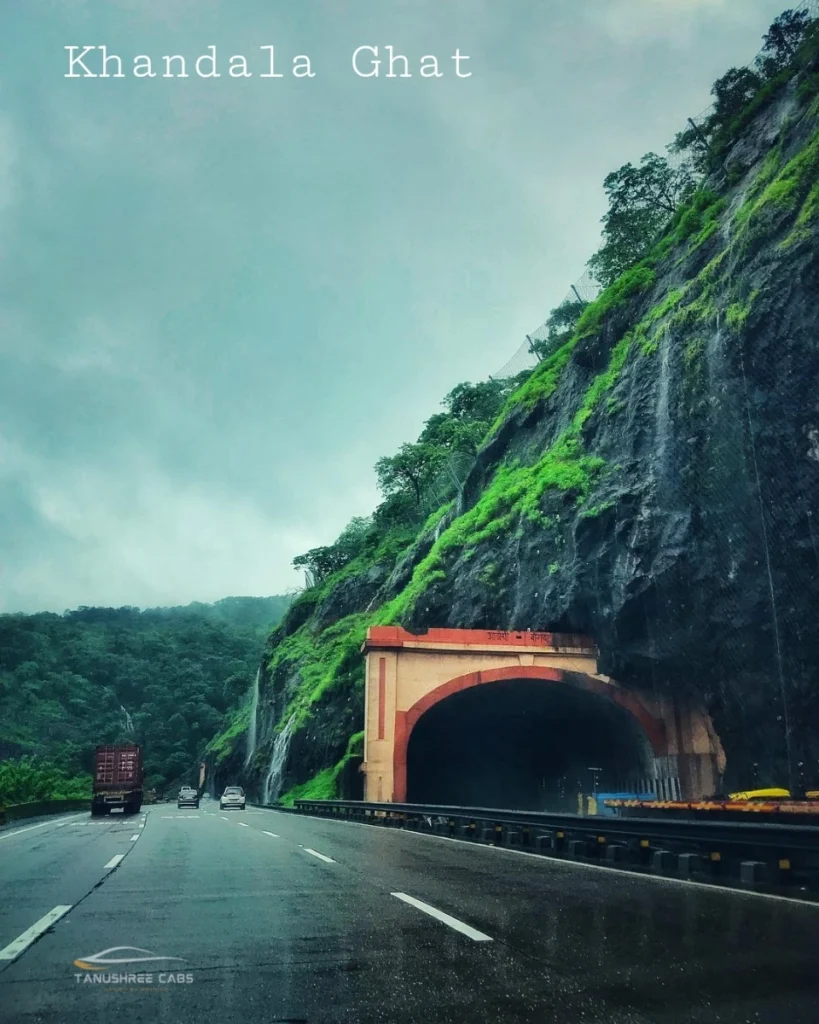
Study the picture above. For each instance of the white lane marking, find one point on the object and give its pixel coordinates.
(224, 818)
(439, 915)
(22, 942)
(142, 824)
(134, 838)
(112, 863)
(244, 824)
(315, 853)
(42, 825)
(273, 834)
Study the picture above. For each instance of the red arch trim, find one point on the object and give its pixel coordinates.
(405, 721)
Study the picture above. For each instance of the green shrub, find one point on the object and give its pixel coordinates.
(32, 779)
(324, 785)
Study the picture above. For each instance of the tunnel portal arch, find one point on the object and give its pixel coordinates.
(528, 739)
(409, 675)
(524, 736)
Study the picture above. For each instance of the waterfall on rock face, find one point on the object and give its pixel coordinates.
(252, 729)
(126, 719)
(662, 415)
(273, 779)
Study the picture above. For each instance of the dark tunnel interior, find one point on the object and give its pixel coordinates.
(529, 744)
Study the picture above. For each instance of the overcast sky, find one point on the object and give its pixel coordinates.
(221, 300)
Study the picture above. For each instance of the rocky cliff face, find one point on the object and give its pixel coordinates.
(654, 484)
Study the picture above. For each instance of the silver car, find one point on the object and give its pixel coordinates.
(233, 796)
(188, 797)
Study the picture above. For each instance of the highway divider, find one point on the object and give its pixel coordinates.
(781, 858)
(42, 807)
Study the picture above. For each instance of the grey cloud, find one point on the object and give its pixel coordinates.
(221, 302)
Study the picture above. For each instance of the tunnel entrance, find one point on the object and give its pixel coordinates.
(524, 743)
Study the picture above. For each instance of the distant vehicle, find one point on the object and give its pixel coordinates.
(118, 775)
(188, 797)
(233, 796)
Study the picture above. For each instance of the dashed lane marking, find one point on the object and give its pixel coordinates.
(244, 824)
(22, 942)
(112, 863)
(315, 853)
(272, 834)
(31, 828)
(439, 915)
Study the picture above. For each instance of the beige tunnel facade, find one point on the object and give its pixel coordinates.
(407, 674)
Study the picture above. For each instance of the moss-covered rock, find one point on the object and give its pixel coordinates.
(651, 484)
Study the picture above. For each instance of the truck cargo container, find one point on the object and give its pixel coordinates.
(117, 779)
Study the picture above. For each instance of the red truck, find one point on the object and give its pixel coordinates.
(117, 779)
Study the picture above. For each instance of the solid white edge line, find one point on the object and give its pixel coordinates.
(439, 915)
(112, 863)
(315, 853)
(546, 860)
(31, 828)
(244, 824)
(273, 834)
(22, 942)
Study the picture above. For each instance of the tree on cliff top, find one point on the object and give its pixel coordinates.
(740, 90)
(782, 42)
(642, 199)
(418, 474)
(560, 323)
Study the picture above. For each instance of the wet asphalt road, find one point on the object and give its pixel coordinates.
(304, 925)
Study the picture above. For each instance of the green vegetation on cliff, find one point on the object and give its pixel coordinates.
(464, 489)
(324, 786)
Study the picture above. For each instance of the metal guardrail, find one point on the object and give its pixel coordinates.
(778, 857)
(16, 812)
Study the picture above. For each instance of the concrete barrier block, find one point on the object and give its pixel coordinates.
(664, 862)
(577, 848)
(511, 838)
(615, 853)
(487, 834)
(543, 843)
(687, 864)
(751, 871)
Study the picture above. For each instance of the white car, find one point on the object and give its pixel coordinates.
(233, 796)
(188, 797)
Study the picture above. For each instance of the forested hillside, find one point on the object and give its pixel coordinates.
(164, 677)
